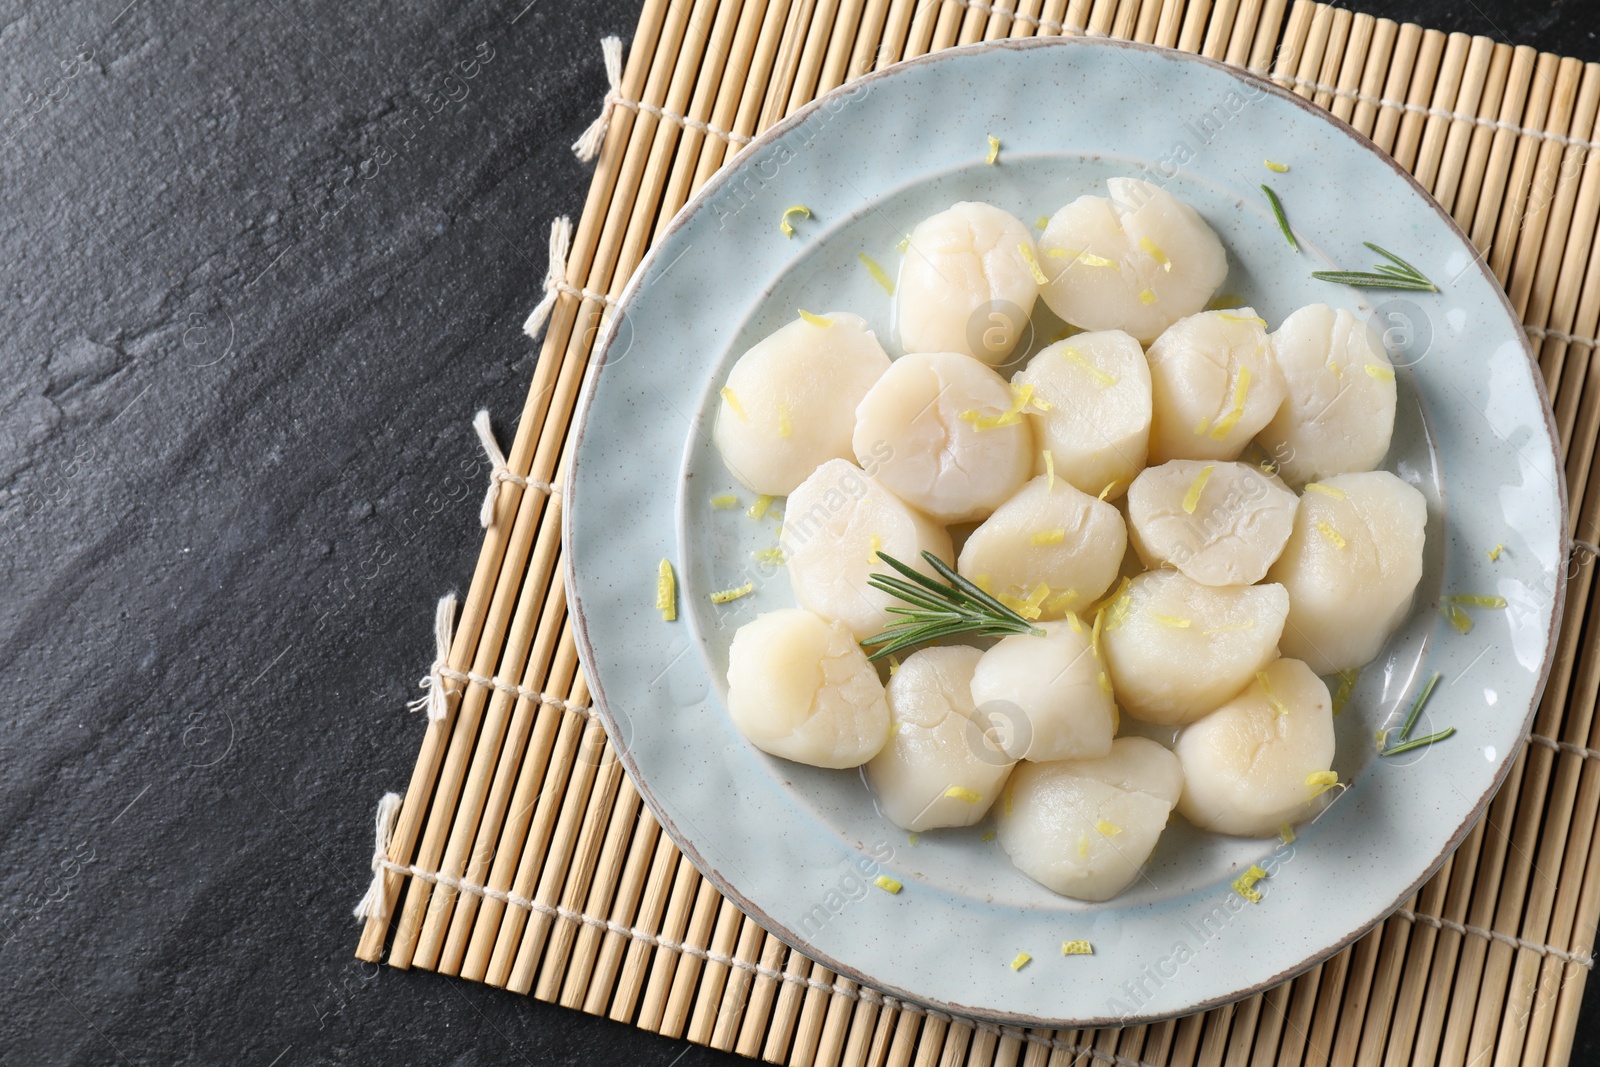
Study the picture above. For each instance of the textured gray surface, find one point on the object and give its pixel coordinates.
(262, 264)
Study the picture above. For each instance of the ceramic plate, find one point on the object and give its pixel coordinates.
(797, 847)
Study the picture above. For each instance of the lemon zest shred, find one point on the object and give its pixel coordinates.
(1276, 168)
(819, 321)
(1049, 537)
(784, 225)
(1147, 296)
(984, 582)
(1059, 602)
(1028, 606)
(1476, 600)
(1022, 960)
(666, 592)
(1325, 490)
(1257, 319)
(1241, 389)
(1021, 397)
(731, 398)
(773, 556)
(1458, 618)
(1041, 222)
(1101, 378)
(1224, 301)
(1107, 829)
(1031, 261)
(913, 839)
(887, 884)
(1077, 948)
(1245, 884)
(1338, 371)
(1347, 683)
(877, 272)
(1094, 634)
(1050, 471)
(961, 792)
(1173, 621)
(1110, 486)
(1200, 427)
(1155, 253)
(989, 835)
(785, 427)
(1278, 706)
(760, 506)
(1104, 682)
(874, 542)
(1286, 834)
(725, 502)
(723, 596)
(1191, 499)
(1382, 374)
(894, 665)
(1494, 553)
(1335, 538)
(994, 150)
(1088, 259)
(1319, 782)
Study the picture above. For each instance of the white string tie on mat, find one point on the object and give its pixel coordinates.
(500, 471)
(372, 906)
(436, 699)
(587, 146)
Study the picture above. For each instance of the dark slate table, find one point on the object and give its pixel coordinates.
(236, 471)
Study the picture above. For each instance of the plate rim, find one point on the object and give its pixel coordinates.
(735, 167)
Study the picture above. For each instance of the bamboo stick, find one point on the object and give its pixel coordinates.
(1194, 25)
(737, 1000)
(611, 880)
(757, 1025)
(1503, 148)
(624, 909)
(1267, 35)
(708, 1002)
(685, 976)
(1332, 56)
(1541, 95)
(1408, 139)
(1402, 61)
(1385, 33)
(1479, 139)
(1220, 28)
(1287, 61)
(658, 885)
(1357, 48)
(786, 1011)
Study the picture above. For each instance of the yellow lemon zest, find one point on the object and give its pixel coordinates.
(666, 592)
(1104, 682)
(1077, 948)
(725, 502)
(1059, 601)
(877, 272)
(1088, 259)
(1338, 372)
(1072, 616)
(994, 150)
(1278, 706)
(1021, 961)
(960, 792)
(1049, 471)
(1191, 499)
(1107, 829)
(1277, 168)
(1101, 378)
(874, 542)
(1154, 251)
(731, 398)
(1320, 782)
(1032, 263)
(1049, 537)
(1258, 320)
(1382, 374)
(912, 839)
(1241, 389)
(1172, 621)
(725, 595)
(1245, 884)
(1347, 683)
(815, 320)
(1476, 601)
(1335, 538)
(1041, 222)
(784, 225)
(1494, 553)
(773, 556)
(1147, 296)
(785, 427)
(1325, 490)
(989, 835)
(1458, 618)
(760, 506)
(894, 665)
(887, 884)
(1286, 834)
(984, 582)
(1111, 486)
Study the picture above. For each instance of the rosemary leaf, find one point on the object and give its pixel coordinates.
(1283, 220)
(1419, 742)
(1416, 706)
(1362, 280)
(931, 609)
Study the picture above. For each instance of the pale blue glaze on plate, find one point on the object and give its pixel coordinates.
(797, 847)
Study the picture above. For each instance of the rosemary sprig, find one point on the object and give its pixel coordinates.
(1407, 743)
(1396, 274)
(1283, 220)
(939, 609)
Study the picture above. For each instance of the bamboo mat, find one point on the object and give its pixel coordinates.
(521, 855)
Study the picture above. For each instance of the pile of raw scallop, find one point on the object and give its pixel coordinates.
(1186, 504)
